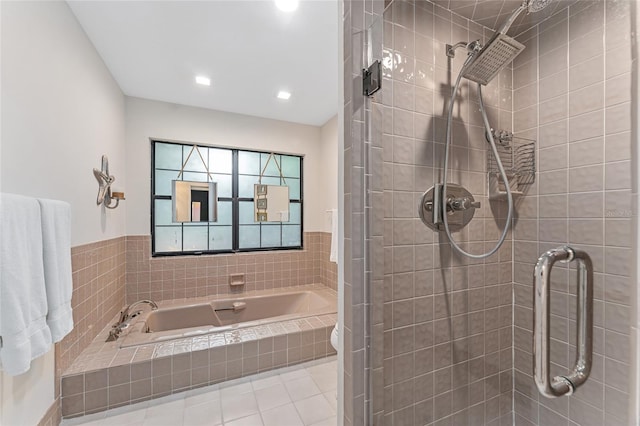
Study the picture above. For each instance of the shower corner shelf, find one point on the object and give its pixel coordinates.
(519, 161)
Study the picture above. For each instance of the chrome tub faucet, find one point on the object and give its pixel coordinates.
(125, 318)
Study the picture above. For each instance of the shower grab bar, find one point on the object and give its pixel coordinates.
(562, 385)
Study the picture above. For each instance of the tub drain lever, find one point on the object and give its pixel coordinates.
(237, 306)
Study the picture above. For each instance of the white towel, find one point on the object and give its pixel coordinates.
(56, 255)
(23, 301)
(333, 257)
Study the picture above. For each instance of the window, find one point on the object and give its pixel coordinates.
(235, 172)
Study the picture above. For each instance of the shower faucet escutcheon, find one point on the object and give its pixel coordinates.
(460, 205)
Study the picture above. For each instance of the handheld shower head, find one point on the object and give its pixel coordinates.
(537, 5)
(530, 6)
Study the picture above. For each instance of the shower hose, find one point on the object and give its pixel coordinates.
(498, 162)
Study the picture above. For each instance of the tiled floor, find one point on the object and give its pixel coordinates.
(302, 395)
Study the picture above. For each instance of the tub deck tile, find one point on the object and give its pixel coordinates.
(213, 358)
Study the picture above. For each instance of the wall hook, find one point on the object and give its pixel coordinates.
(105, 196)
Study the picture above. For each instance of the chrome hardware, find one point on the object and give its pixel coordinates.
(461, 207)
(125, 319)
(124, 315)
(464, 203)
(562, 385)
(472, 47)
(372, 78)
(105, 180)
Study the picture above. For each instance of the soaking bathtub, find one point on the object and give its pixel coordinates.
(184, 319)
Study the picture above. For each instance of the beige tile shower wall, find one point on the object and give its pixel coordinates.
(363, 205)
(179, 277)
(572, 94)
(447, 320)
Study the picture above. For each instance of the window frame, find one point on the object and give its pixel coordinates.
(234, 199)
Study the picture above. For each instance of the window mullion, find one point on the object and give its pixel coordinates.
(235, 205)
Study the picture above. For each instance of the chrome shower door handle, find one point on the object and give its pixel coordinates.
(562, 385)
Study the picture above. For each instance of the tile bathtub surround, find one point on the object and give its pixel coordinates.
(98, 295)
(577, 93)
(107, 376)
(53, 415)
(302, 395)
(328, 269)
(179, 277)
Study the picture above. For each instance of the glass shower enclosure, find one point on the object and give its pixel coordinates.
(432, 336)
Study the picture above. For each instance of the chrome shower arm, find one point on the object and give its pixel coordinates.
(472, 47)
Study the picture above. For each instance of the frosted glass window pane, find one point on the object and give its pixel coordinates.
(220, 238)
(270, 236)
(195, 238)
(163, 210)
(194, 176)
(163, 181)
(291, 235)
(194, 164)
(168, 156)
(224, 213)
(290, 166)
(249, 236)
(245, 186)
(248, 163)
(271, 181)
(224, 185)
(168, 238)
(272, 167)
(220, 160)
(246, 212)
(294, 188)
(294, 214)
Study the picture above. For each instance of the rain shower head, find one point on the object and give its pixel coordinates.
(501, 49)
(492, 58)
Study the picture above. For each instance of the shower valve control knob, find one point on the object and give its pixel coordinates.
(458, 204)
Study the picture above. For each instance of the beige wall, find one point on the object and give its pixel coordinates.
(328, 176)
(61, 110)
(152, 119)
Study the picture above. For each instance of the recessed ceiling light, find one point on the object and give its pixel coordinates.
(205, 81)
(284, 95)
(287, 5)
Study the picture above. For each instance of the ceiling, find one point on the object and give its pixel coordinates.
(249, 49)
(492, 13)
